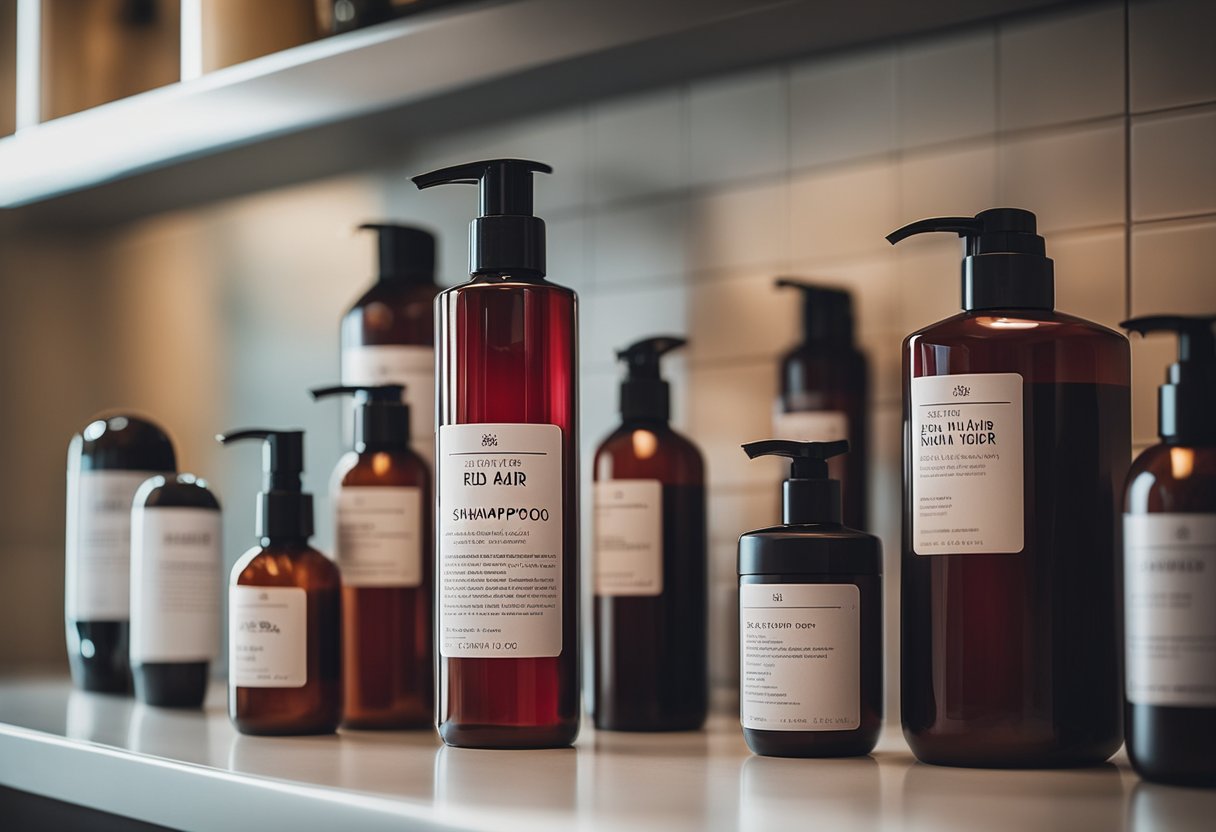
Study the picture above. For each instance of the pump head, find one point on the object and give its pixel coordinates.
(382, 420)
(284, 511)
(505, 238)
(827, 313)
(406, 253)
(1186, 403)
(808, 496)
(1005, 265)
(644, 393)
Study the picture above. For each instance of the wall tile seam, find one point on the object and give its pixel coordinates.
(1180, 219)
(1164, 113)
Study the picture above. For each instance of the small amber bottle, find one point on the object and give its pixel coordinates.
(284, 608)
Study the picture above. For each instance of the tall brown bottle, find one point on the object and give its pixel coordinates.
(382, 502)
(651, 581)
(284, 608)
(1016, 441)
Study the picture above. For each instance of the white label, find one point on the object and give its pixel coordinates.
(267, 637)
(628, 530)
(176, 575)
(811, 425)
(800, 646)
(413, 366)
(379, 536)
(500, 540)
(98, 570)
(1170, 591)
(966, 451)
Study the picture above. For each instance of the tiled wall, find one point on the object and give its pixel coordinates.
(674, 209)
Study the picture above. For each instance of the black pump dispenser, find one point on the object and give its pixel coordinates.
(1005, 267)
(382, 419)
(1186, 403)
(827, 313)
(644, 393)
(505, 238)
(808, 496)
(406, 253)
(284, 511)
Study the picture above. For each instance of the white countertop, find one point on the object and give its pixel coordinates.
(192, 770)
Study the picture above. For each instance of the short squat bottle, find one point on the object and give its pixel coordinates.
(284, 608)
(810, 619)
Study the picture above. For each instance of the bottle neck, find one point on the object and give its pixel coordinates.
(810, 501)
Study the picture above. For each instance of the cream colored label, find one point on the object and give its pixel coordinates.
(800, 648)
(967, 464)
(500, 540)
(628, 531)
(267, 637)
(1170, 590)
(811, 425)
(413, 366)
(379, 536)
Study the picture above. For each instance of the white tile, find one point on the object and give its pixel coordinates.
(842, 107)
(1091, 278)
(744, 226)
(638, 242)
(738, 127)
(1172, 268)
(946, 88)
(730, 405)
(1174, 165)
(1151, 358)
(958, 181)
(843, 211)
(744, 317)
(1173, 60)
(1071, 179)
(566, 256)
(1062, 67)
(611, 320)
(637, 146)
(930, 268)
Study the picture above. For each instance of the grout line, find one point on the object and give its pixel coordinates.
(1180, 218)
(1127, 160)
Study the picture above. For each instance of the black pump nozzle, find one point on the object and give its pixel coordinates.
(1005, 264)
(1186, 403)
(284, 511)
(827, 313)
(505, 238)
(406, 253)
(644, 393)
(808, 495)
(382, 420)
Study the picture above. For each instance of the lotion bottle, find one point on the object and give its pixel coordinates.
(284, 607)
(507, 466)
(382, 505)
(651, 564)
(1169, 537)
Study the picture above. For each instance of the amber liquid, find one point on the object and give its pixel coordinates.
(1014, 660)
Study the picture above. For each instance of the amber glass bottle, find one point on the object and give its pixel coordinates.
(284, 609)
(1016, 438)
(651, 654)
(382, 501)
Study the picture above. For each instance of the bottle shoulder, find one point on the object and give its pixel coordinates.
(1025, 325)
(288, 565)
(1172, 478)
(400, 467)
(649, 451)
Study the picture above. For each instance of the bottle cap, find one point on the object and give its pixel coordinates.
(406, 253)
(1186, 403)
(644, 392)
(284, 510)
(827, 313)
(382, 419)
(809, 495)
(1005, 264)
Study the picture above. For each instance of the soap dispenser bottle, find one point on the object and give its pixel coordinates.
(284, 607)
(382, 505)
(650, 668)
(824, 389)
(810, 618)
(507, 471)
(388, 336)
(1016, 440)
(1169, 536)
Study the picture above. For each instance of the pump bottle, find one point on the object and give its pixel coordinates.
(1169, 529)
(507, 471)
(382, 501)
(388, 336)
(284, 607)
(824, 389)
(650, 560)
(810, 618)
(1016, 438)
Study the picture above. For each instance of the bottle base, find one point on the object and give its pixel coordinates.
(978, 752)
(171, 684)
(256, 728)
(561, 735)
(1172, 745)
(390, 722)
(650, 725)
(97, 656)
(810, 743)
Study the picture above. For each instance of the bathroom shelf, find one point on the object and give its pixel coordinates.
(191, 770)
(343, 102)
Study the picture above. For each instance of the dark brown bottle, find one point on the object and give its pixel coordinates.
(825, 390)
(651, 564)
(284, 608)
(382, 502)
(1016, 437)
(1170, 552)
(107, 463)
